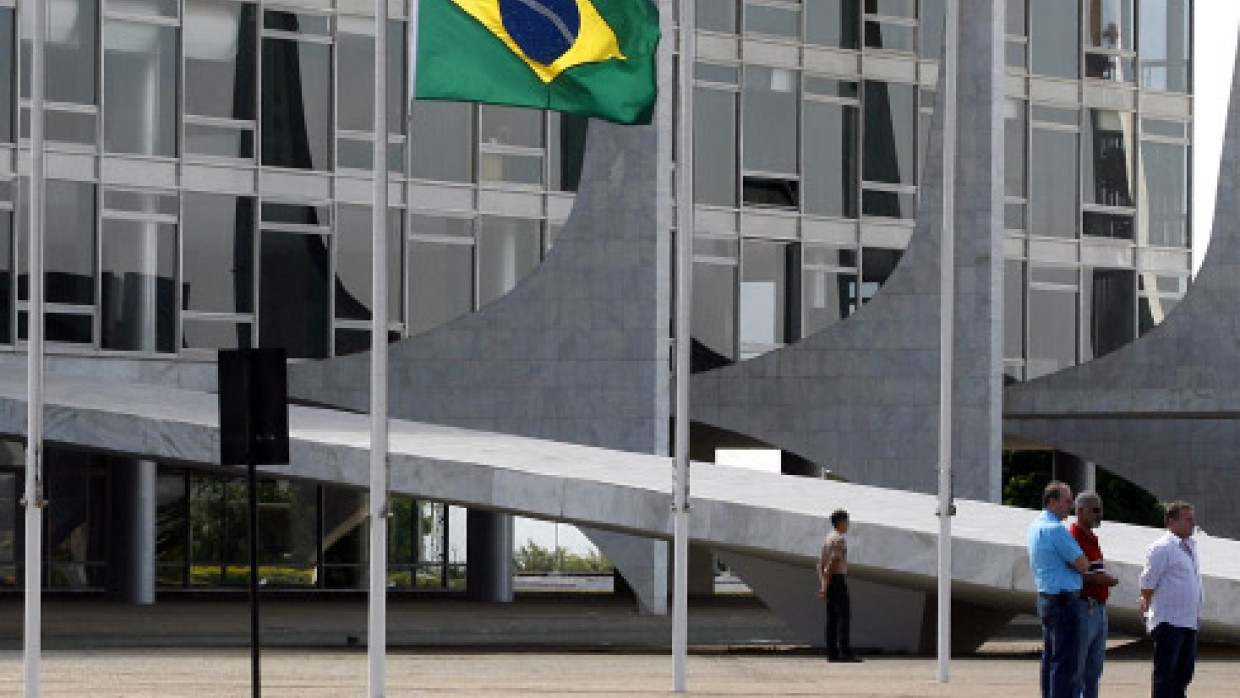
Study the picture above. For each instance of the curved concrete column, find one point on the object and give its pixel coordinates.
(1163, 411)
(861, 396)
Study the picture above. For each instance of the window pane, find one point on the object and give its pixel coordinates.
(877, 265)
(140, 78)
(714, 311)
(1108, 67)
(888, 204)
(219, 58)
(776, 21)
(828, 282)
(441, 281)
(764, 307)
(353, 260)
(891, 8)
(1013, 309)
(716, 15)
(6, 277)
(829, 183)
(1165, 44)
(933, 25)
(1015, 136)
(293, 280)
(1108, 24)
(510, 126)
(355, 95)
(890, 110)
(566, 151)
(1055, 40)
(1164, 167)
(6, 75)
(1052, 331)
(296, 104)
(893, 37)
(138, 280)
(1052, 191)
(1110, 307)
(1109, 161)
(69, 244)
(770, 122)
(1016, 17)
(833, 23)
(443, 141)
(70, 52)
(218, 253)
(509, 249)
(216, 334)
(714, 147)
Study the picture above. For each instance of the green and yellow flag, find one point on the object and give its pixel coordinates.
(589, 57)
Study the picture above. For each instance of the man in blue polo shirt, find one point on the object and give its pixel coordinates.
(1058, 563)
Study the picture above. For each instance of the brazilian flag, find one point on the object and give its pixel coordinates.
(589, 57)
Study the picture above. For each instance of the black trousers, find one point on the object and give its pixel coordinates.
(839, 615)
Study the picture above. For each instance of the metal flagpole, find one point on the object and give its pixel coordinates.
(947, 319)
(684, 342)
(32, 497)
(376, 628)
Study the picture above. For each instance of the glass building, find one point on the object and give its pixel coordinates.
(208, 188)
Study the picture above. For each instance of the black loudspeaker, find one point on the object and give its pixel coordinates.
(253, 406)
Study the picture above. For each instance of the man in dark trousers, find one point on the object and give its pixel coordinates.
(833, 586)
(1057, 563)
(1094, 593)
(1171, 597)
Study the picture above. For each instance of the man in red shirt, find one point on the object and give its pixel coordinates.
(1094, 592)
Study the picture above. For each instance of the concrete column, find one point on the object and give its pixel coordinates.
(132, 500)
(488, 543)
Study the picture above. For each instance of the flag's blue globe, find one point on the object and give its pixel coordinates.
(544, 29)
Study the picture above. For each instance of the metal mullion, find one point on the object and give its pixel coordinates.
(297, 36)
(140, 18)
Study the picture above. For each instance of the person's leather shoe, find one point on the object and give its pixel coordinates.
(847, 659)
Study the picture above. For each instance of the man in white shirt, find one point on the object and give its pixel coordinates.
(1171, 599)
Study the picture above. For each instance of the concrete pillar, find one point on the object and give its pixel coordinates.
(132, 501)
(642, 562)
(488, 543)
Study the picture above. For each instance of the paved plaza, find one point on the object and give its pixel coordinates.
(305, 673)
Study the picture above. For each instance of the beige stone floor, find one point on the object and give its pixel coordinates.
(1008, 673)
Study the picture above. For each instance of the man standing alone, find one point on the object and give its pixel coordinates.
(1094, 592)
(1057, 563)
(1171, 599)
(832, 570)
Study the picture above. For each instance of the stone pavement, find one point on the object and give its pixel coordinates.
(132, 673)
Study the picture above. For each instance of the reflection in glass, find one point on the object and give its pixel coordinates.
(1110, 306)
(888, 204)
(1055, 38)
(1052, 330)
(441, 283)
(77, 530)
(219, 58)
(771, 192)
(140, 79)
(138, 276)
(890, 110)
(508, 250)
(566, 150)
(833, 23)
(216, 334)
(1165, 44)
(217, 238)
(442, 141)
(782, 21)
(829, 178)
(1052, 189)
(714, 147)
(877, 265)
(893, 37)
(296, 109)
(293, 282)
(6, 277)
(355, 56)
(772, 98)
(1109, 162)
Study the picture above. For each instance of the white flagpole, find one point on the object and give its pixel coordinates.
(32, 497)
(376, 625)
(947, 319)
(684, 342)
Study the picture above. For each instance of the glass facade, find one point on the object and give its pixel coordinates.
(212, 192)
